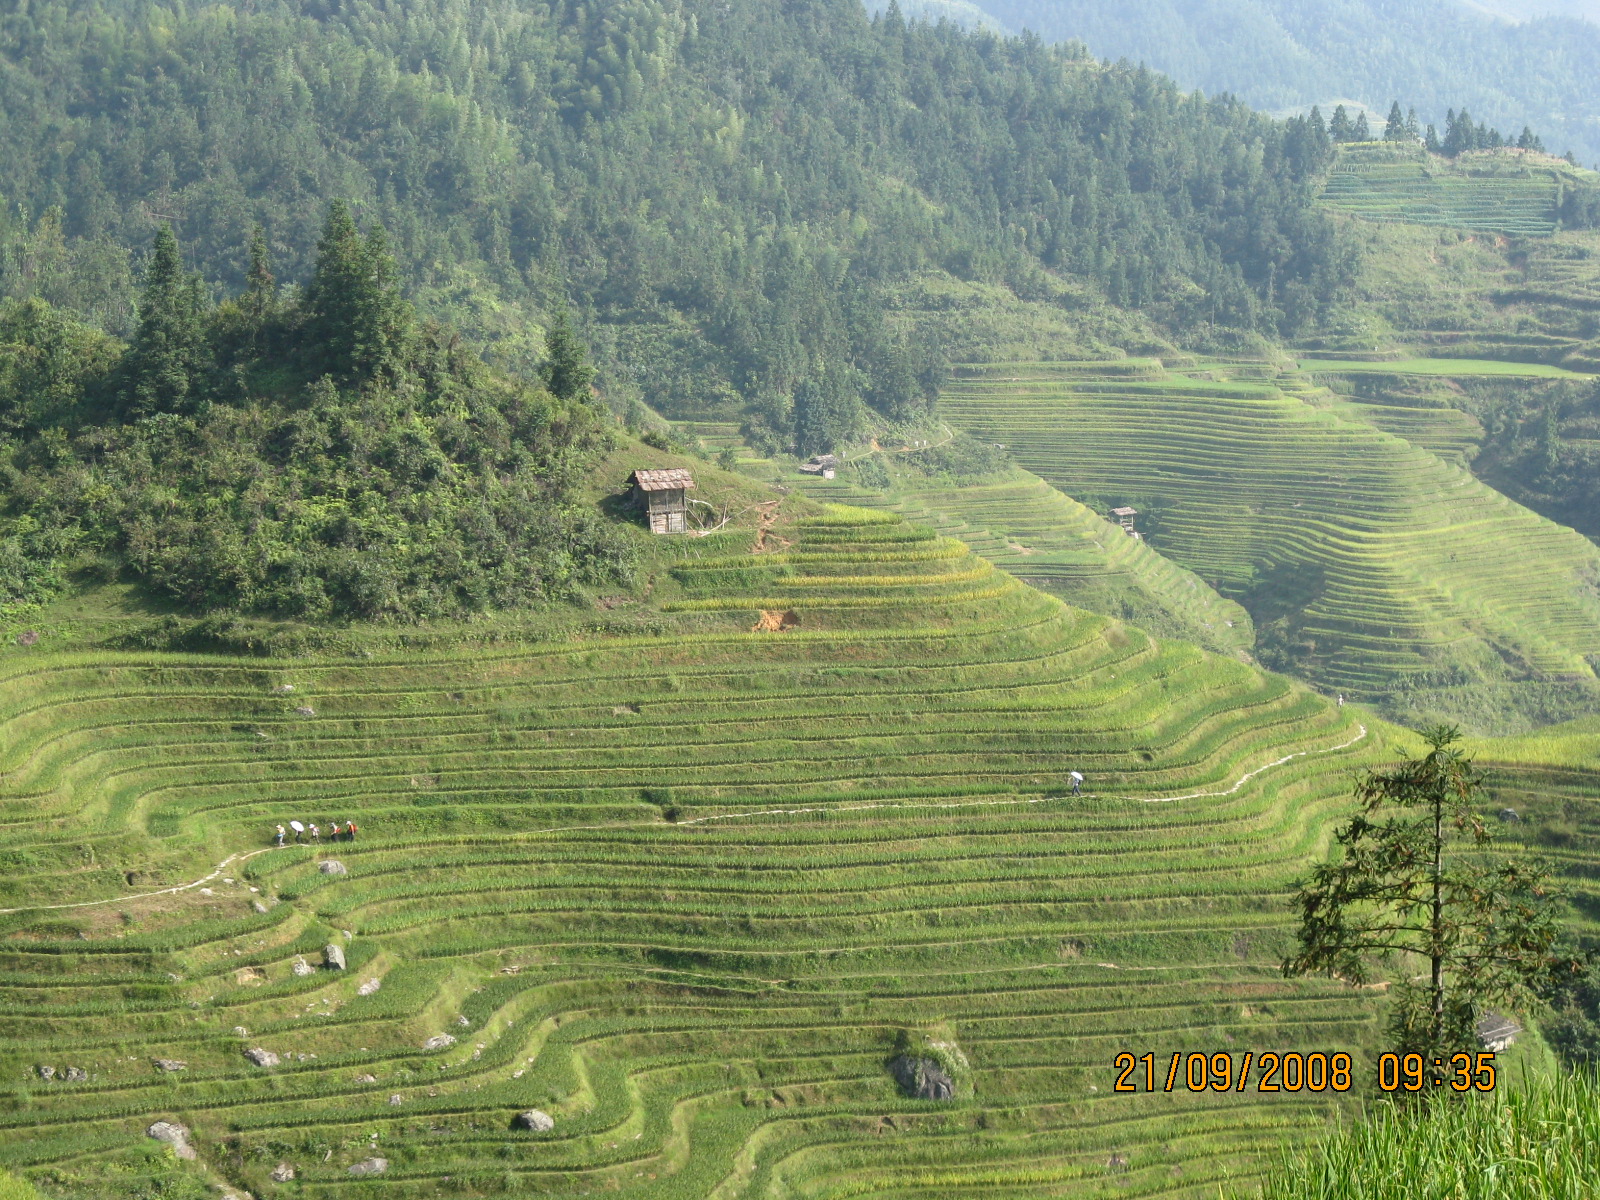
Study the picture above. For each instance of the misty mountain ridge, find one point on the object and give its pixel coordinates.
(1509, 62)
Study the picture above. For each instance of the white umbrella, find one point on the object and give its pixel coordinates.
(1076, 776)
(297, 827)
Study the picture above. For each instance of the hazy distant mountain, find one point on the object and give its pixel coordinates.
(1508, 62)
(1527, 10)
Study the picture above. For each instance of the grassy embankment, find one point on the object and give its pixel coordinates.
(680, 888)
(1539, 1140)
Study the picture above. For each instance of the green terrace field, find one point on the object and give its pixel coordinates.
(1504, 192)
(1049, 540)
(681, 891)
(1438, 366)
(1369, 564)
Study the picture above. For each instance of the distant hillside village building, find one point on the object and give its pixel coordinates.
(825, 465)
(663, 496)
(1124, 516)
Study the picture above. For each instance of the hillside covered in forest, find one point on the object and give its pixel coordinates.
(737, 198)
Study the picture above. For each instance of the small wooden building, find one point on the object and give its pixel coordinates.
(662, 494)
(1496, 1032)
(1124, 516)
(821, 464)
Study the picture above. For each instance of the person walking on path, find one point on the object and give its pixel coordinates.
(316, 834)
(298, 829)
(1341, 699)
(333, 834)
(1077, 782)
(281, 834)
(350, 830)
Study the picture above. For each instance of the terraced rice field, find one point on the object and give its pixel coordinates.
(1051, 541)
(1438, 366)
(681, 892)
(1388, 565)
(1450, 433)
(1385, 183)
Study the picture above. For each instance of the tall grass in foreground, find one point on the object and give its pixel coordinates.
(1538, 1142)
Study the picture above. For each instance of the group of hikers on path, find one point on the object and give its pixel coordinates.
(311, 832)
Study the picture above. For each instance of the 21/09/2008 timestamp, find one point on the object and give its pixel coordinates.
(1291, 1071)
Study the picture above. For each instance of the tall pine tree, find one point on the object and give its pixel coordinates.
(567, 370)
(1339, 127)
(165, 367)
(356, 323)
(1394, 129)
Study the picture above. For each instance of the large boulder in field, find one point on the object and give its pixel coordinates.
(282, 1173)
(534, 1120)
(301, 968)
(332, 866)
(922, 1078)
(333, 957)
(370, 1166)
(262, 1058)
(174, 1135)
(439, 1041)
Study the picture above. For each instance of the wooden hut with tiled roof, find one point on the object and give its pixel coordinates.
(663, 494)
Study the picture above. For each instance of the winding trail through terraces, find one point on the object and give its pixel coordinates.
(243, 856)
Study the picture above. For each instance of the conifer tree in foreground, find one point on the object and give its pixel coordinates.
(1339, 125)
(163, 369)
(567, 370)
(1394, 129)
(261, 289)
(356, 322)
(1414, 886)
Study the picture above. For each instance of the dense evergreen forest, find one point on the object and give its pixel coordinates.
(727, 194)
(1281, 54)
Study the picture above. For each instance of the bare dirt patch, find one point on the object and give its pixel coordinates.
(765, 539)
(773, 621)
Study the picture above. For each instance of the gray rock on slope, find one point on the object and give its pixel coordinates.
(533, 1119)
(370, 986)
(174, 1135)
(370, 1166)
(171, 1064)
(439, 1041)
(333, 957)
(922, 1078)
(332, 866)
(262, 1058)
(282, 1173)
(301, 967)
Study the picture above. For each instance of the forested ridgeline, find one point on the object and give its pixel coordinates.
(728, 193)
